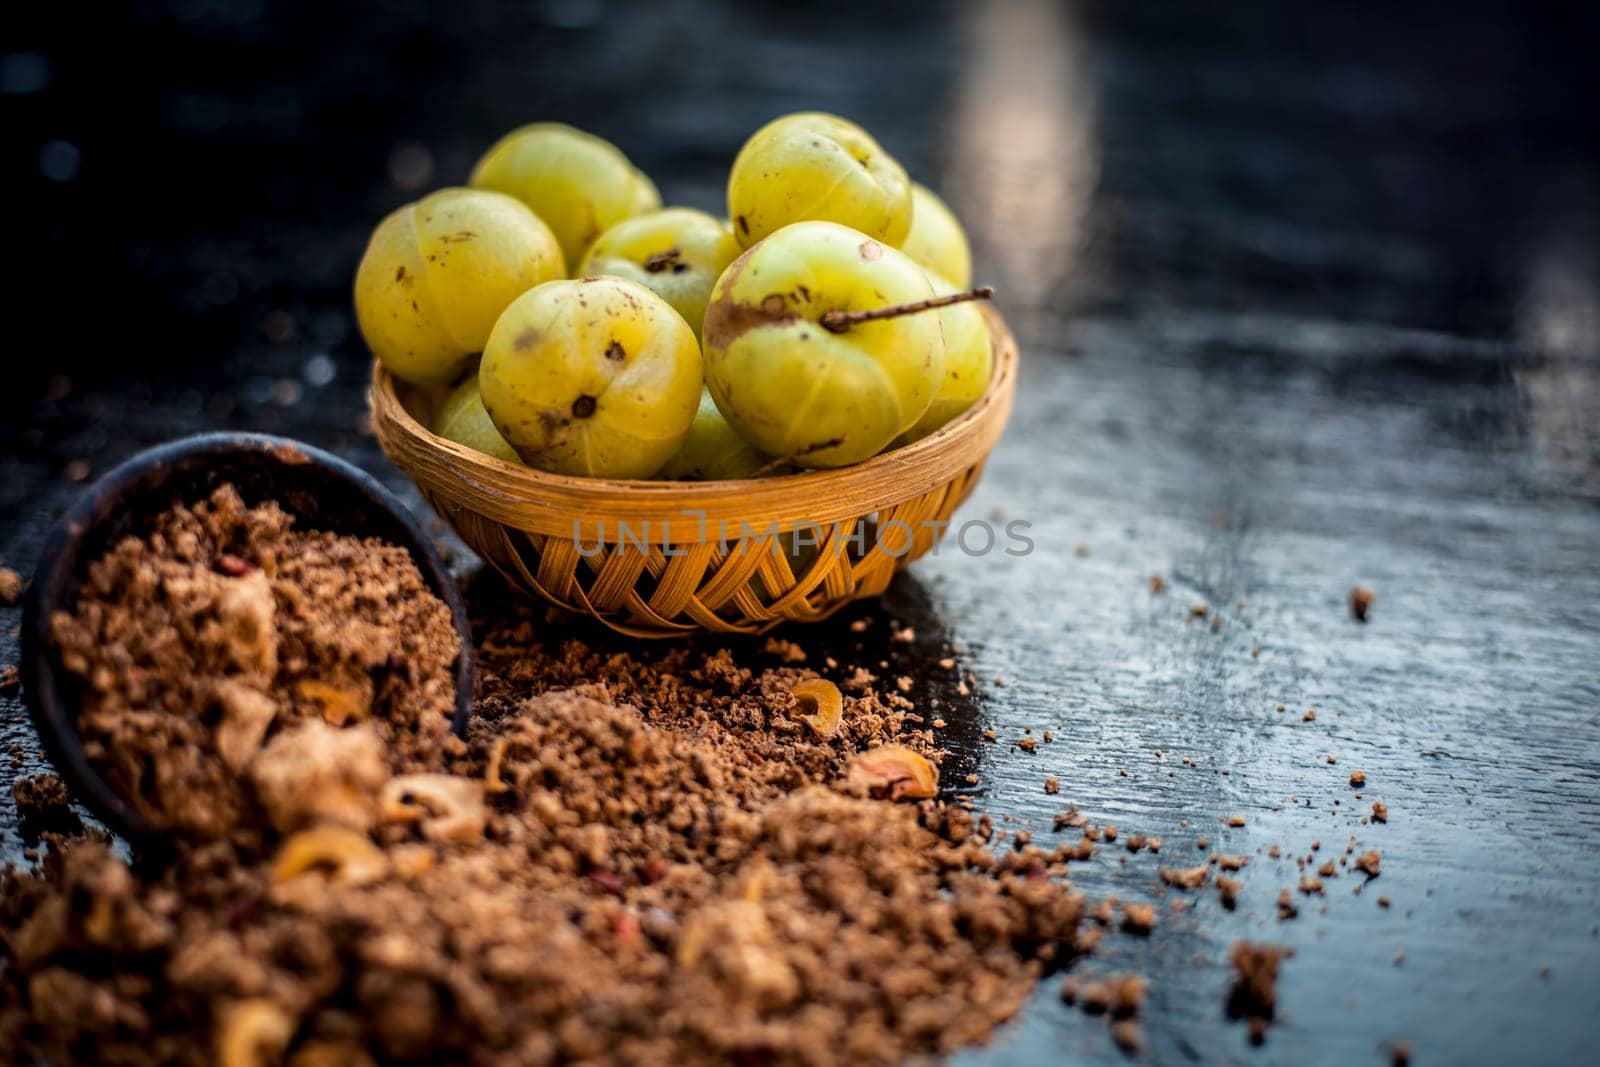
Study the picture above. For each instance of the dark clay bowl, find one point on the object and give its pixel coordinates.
(321, 491)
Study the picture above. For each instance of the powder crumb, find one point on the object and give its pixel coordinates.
(1357, 779)
(1236, 821)
(10, 679)
(787, 651)
(1287, 909)
(1361, 598)
(1138, 918)
(1380, 811)
(11, 586)
(1228, 889)
(1232, 863)
(1052, 786)
(1027, 744)
(1310, 715)
(1368, 863)
(1157, 584)
(1135, 842)
(1254, 994)
(1199, 609)
(1128, 1036)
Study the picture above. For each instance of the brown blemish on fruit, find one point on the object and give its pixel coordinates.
(525, 340)
(744, 227)
(774, 304)
(615, 352)
(871, 250)
(583, 407)
(660, 261)
(400, 273)
(727, 320)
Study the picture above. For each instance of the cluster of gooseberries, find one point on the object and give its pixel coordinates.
(572, 324)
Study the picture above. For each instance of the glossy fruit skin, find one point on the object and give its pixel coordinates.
(795, 389)
(463, 419)
(580, 184)
(812, 165)
(678, 253)
(968, 363)
(713, 450)
(937, 240)
(596, 377)
(437, 273)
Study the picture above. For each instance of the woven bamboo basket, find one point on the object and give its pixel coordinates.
(658, 559)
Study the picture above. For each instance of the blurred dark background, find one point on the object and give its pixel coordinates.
(1307, 293)
(190, 182)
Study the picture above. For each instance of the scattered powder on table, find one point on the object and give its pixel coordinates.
(634, 857)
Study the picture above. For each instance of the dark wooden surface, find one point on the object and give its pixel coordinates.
(1309, 297)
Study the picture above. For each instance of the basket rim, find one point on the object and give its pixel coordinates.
(541, 502)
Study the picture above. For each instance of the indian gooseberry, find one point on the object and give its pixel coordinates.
(968, 363)
(580, 184)
(437, 273)
(678, 253)
(937, 240)
(463, 419)
(814, 347)
(812, 165)
(597, 377)
(713, 451)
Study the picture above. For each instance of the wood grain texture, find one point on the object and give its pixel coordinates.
(1306, 295)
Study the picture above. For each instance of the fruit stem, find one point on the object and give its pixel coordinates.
(838, 321)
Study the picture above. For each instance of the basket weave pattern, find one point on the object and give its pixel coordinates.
(657, 559)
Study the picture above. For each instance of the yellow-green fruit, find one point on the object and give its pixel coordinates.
(792, 386)
(713, 451)
(438, 273)
(596, 377)
(816, 166)
(463, 419)
(937, 240)
(678, 253)
(968, 363)
(580, 184)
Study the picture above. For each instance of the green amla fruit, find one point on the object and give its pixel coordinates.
(812, 165)
(968, 363)
(713, 451)
(580, 184)
(937, 240)
(438, 273)
(596, 377)
(463, 419)
(797, 356)
(678, 253)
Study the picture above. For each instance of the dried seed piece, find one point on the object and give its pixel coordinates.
(1186, 878)
(895, 772)
(493, 784)
(449, 808)
(347, 857)
(1380, 811)
(253, 1033)
(1232, 863)
(819, 705)
(1027, 744)
(247, 714)
(1368, 863)
(1357, 779)
(340, 705)
(1052, 786)
(1236, 821)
